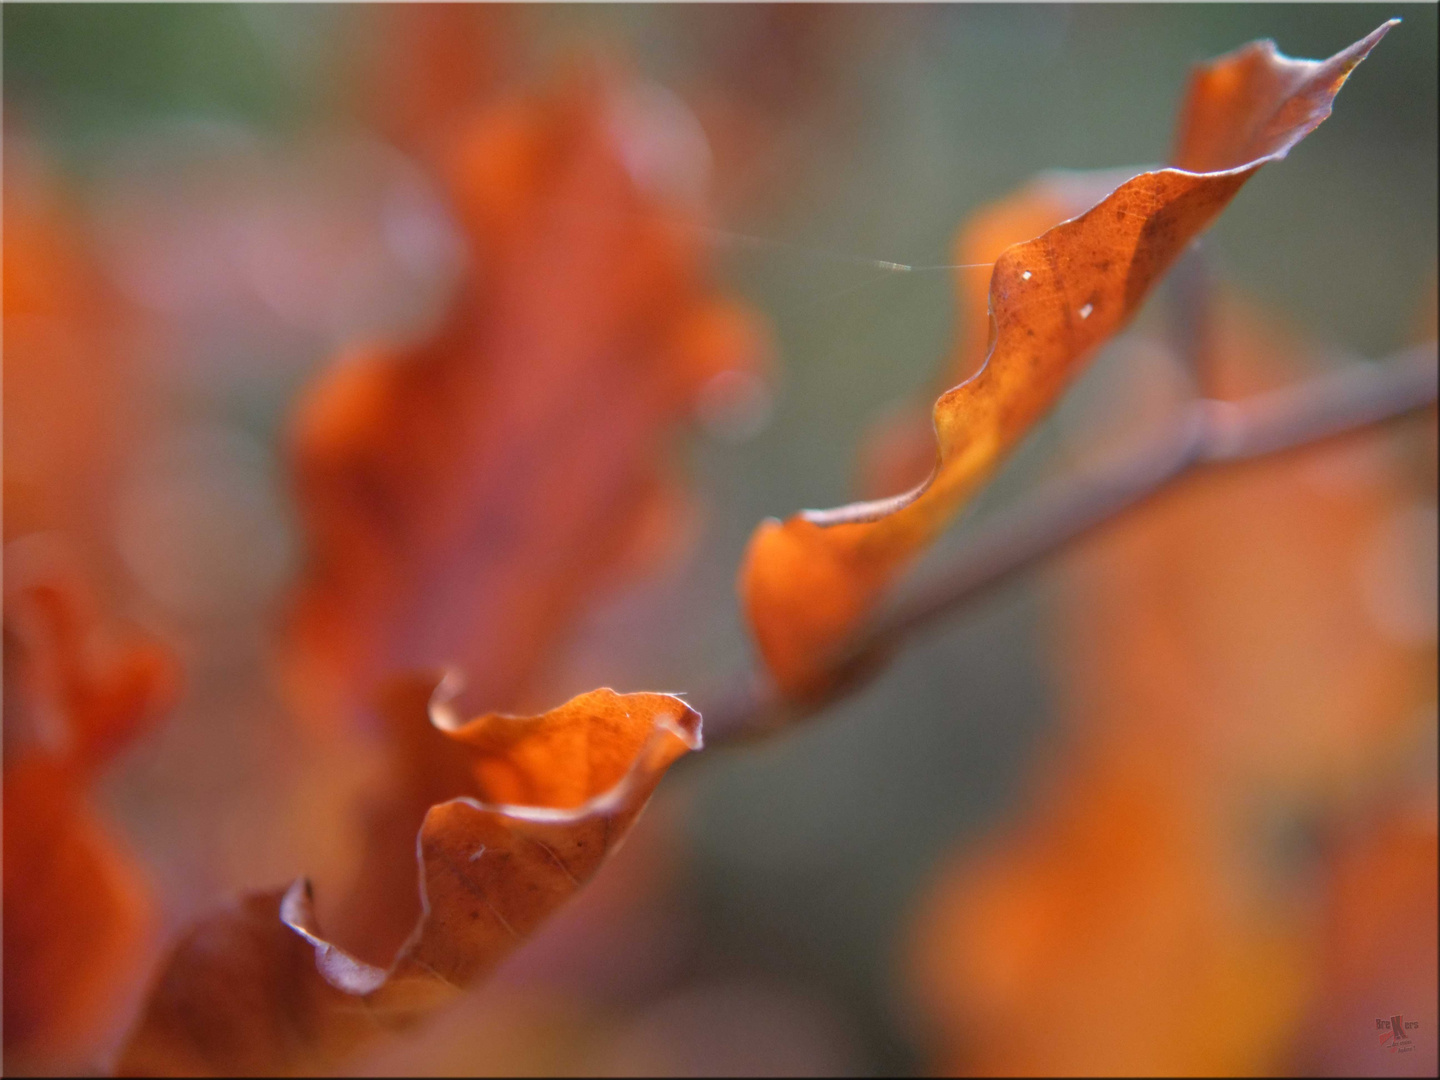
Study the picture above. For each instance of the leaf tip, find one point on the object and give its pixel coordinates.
(1362, 47)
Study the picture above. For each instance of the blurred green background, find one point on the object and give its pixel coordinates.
(804, 856)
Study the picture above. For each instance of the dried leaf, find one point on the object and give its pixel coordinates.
(259, 989)
(78, 914)
(900, 452)
(807, 583)
(462, 499)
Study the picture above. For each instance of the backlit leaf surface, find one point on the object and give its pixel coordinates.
(808, 582)
(539, 802)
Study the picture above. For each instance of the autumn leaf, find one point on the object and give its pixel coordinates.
(899, 452)
(809, 582)
(259, 989)
(462, 499)
(78, 914)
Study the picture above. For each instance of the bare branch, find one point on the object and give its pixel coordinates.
(1206, 434)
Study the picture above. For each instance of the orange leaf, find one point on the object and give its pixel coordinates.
(463, 498)
(77, 912)
(900, 452)
(807, 583)
(259, 989)
(1045, 202)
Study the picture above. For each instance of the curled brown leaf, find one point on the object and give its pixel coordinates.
(259, 989)
(809, 582)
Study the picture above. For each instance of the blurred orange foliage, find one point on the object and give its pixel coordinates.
(1110, 932)
(78, 919)
(457, 509)
(71, 379)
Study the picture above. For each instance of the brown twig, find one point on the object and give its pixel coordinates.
(1205, 434)
(1191, 314)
